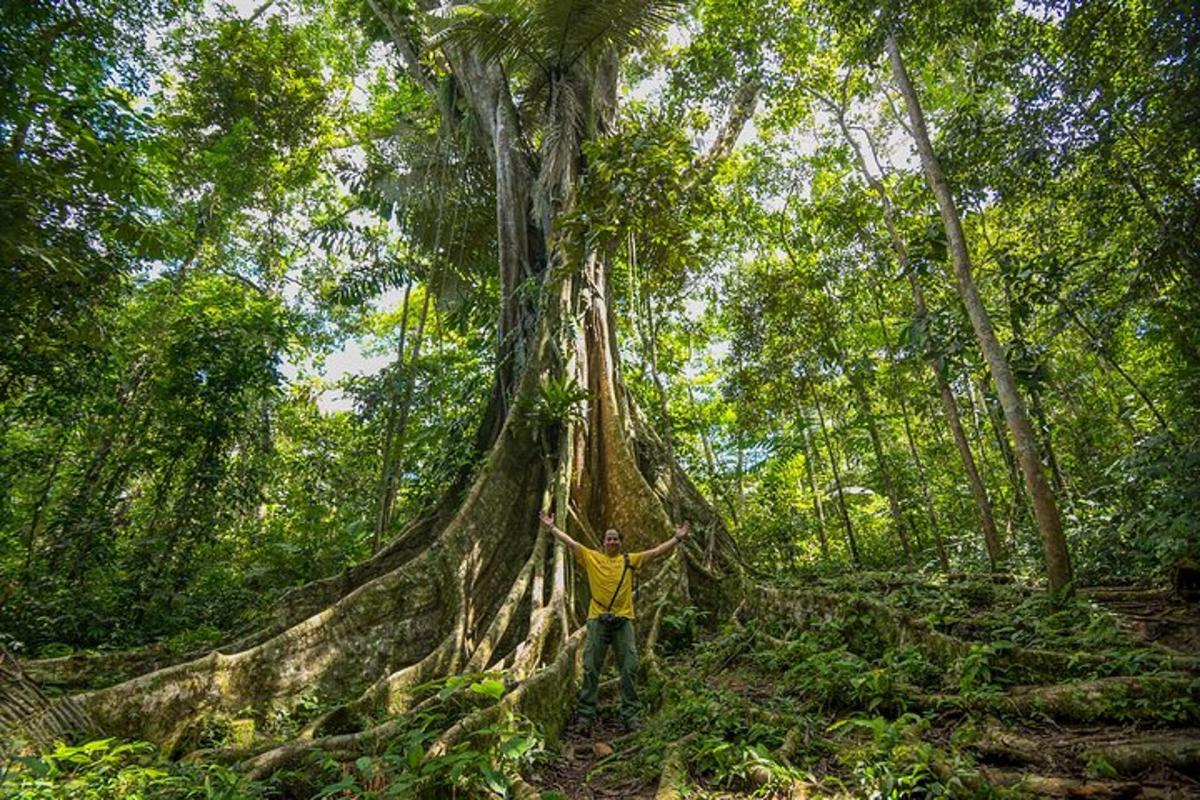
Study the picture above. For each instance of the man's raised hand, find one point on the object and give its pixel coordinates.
(547, 519)
(681, 530)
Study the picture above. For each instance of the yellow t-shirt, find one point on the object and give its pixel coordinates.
(603, 572)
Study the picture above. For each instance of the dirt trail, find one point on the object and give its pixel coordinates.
(578, 773)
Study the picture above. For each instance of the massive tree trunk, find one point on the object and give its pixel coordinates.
(1045, 510)
(475, 583)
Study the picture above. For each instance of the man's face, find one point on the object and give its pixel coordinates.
(612, 542)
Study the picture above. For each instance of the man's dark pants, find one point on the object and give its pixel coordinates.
(599, 637)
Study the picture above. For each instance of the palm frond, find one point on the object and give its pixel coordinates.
(495, 30)
(556, 21)
(561, 135)
(603, 25)
(554, 34)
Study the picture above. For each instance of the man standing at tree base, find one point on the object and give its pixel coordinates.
(610, 616)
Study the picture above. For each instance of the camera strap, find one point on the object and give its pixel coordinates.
(617, 590)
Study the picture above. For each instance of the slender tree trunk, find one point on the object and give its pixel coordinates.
(1037, 408)
(818, 506)
(935, 524)
(983, 503)
(868, 415)
(739, 473)
(383, 513)
(648, 331)
(35, 519)
(930, 510)
(406, 402)
(884, 473)
(837, 478)
(710, 464)
(1054, 544)
(985, 407)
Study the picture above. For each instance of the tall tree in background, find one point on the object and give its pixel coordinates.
(1045, 509)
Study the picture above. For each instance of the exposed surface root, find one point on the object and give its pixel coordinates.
(1119, 699)
(95, 670)
(81, 671)
(1057, 786)
(25, 708)
(1119, 752)
(380, 626)
(390, 695)
(542, 699)
(674, 780)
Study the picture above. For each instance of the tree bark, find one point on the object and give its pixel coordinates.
(390, 424)
(930, 509)
(885, 474)
(394, 455)
(1045, 509)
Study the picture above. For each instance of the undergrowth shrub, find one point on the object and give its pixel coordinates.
(108, 768)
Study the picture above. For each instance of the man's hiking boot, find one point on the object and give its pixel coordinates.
(583, 726)
(631, 725)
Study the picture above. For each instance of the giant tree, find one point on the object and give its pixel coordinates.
(475, 583)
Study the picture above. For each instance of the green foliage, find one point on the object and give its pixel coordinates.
(199, 210)
(478, 767)
(552, 36)
(1138, 520)
(558, 401)
(977, 671)
(107, 768)
(893, 759)
(679, 629)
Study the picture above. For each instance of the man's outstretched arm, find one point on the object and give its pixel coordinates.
(548, 520)
(681, 532)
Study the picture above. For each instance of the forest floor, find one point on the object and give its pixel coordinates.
(867, 685)
(883, 686)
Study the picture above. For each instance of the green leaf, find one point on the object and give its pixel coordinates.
(494, 781)
(491, 687)
(517, 746)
